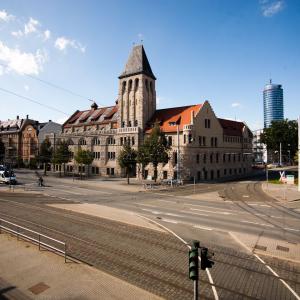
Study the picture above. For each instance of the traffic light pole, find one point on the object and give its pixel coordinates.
(196, 289)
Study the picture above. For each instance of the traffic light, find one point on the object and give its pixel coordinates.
(205, 259)
(193, 264)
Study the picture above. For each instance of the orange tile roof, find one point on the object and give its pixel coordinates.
(232, 128)
(179, 115)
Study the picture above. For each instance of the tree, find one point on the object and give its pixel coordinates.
(2, 151)
(45, 154)
(61, 155)
(142, 158)
(84, 157)
(127, 159)
(155, 148)
(284, 132)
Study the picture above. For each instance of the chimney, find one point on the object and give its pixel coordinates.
(27, 117)
(17, 117)
(192, 117)
(50, 121)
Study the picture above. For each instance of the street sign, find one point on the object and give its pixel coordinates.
(290, 179)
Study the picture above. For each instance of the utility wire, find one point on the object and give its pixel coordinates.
(33, 101)
(55, 86)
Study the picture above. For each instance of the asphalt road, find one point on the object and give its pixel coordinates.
(158, 262)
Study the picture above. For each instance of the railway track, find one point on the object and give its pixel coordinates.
(154, 261)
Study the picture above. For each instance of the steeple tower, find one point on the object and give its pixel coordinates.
(137, 96)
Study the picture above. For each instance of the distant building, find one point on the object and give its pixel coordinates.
(259, 149)
(209, 147)
(22, 138)
(273, 103)
(49, 131)
(11, 134)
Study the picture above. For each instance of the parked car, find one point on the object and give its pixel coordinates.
(8, 177)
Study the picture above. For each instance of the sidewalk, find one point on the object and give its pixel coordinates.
(281, 192)
(27, 273)
(111, 213)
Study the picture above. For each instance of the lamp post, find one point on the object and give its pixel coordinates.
(177, 167)
(298, 153)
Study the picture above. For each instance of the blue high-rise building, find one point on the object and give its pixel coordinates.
(273, 103)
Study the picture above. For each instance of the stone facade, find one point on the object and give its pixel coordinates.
(203, 146)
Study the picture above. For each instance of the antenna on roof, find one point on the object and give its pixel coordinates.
(270, 80)
(91, 100)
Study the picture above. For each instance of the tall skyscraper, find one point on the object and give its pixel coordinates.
(273, 103)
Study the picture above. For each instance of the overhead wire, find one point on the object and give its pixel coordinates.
(33, 101)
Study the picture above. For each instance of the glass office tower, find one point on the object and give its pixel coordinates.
(273, 103)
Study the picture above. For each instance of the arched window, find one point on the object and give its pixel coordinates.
(146, 84)
(82, 142)
(123, 87)
(136, 84)
(95, 141)
(129, 85)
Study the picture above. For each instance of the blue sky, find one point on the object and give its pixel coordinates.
(222, 51)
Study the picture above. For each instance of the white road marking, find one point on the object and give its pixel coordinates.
(265, 205)
(170, 221)
(168, 201)
(194, 213)
(293, 229)
(207, 271)
(276, 217)
(254, 204)
(149, 205)
(173, 215)
(156, 212)
(214, 208)
(260, 215)
(261, 224)
(201, 227)
(213, 212)
(246, 196)
(268, 267)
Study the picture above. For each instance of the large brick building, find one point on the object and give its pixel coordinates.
(202, 145)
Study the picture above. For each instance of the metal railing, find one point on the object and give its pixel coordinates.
(35, 237)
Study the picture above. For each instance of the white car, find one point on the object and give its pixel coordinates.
(8, 177)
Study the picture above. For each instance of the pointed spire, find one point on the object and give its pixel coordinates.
(137, 63)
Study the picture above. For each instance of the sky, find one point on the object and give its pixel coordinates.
(62, 54)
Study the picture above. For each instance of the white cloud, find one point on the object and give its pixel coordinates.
(62, 43)
(31, 26)
(270, 8)
(1, 70)
(5, 17)
(17, 34)
(22, 62)
(46, 35)
(26, 87)
(236, 104)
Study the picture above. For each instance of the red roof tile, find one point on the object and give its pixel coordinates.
(232, 128)
(74, 117)
(180, 115)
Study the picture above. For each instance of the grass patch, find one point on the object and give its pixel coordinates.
(275, 181)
